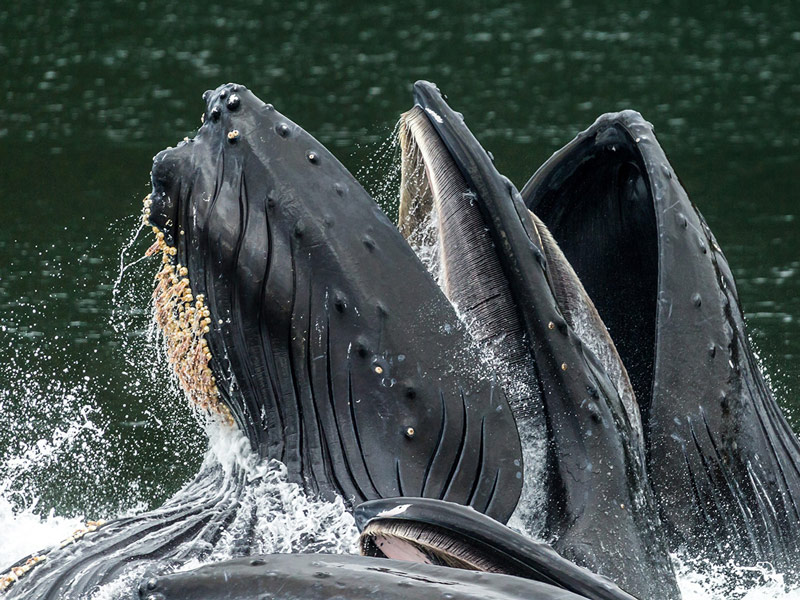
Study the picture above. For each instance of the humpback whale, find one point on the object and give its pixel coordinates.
(501, 269)
(283, 313)
(361, 382)
(723, 462)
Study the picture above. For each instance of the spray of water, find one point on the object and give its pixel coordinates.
(274, 514)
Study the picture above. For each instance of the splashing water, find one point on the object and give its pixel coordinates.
(381, 172)
(286, 520)
(699, 580)
(56, 434)
(130, 242)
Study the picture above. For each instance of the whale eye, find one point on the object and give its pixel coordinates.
(233, 102)
(215, 112)
(283, 130)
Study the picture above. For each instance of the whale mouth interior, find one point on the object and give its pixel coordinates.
(598, 205)
(441, 218)
(422, 543)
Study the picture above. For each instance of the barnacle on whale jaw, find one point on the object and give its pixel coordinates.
(23, 567)
(14, 573)
(184, 320)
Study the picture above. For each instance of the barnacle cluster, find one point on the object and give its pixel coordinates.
(14, 573)
(184, 320)
(82, 531)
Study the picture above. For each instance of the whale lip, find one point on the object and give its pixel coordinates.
(470, 156)
(437, 532)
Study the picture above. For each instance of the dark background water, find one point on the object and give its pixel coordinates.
(90, 91)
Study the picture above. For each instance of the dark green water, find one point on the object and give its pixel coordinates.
(90, 91)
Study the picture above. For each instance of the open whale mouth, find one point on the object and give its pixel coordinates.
(414, 542)
(597, 199)
(440, 216)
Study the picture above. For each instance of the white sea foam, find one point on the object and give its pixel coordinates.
(59, 435)
(700, 580)
(25, 531)
(287, 520)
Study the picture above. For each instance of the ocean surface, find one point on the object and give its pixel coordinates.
(92, 424)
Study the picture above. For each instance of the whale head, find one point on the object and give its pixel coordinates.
(289, 300)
